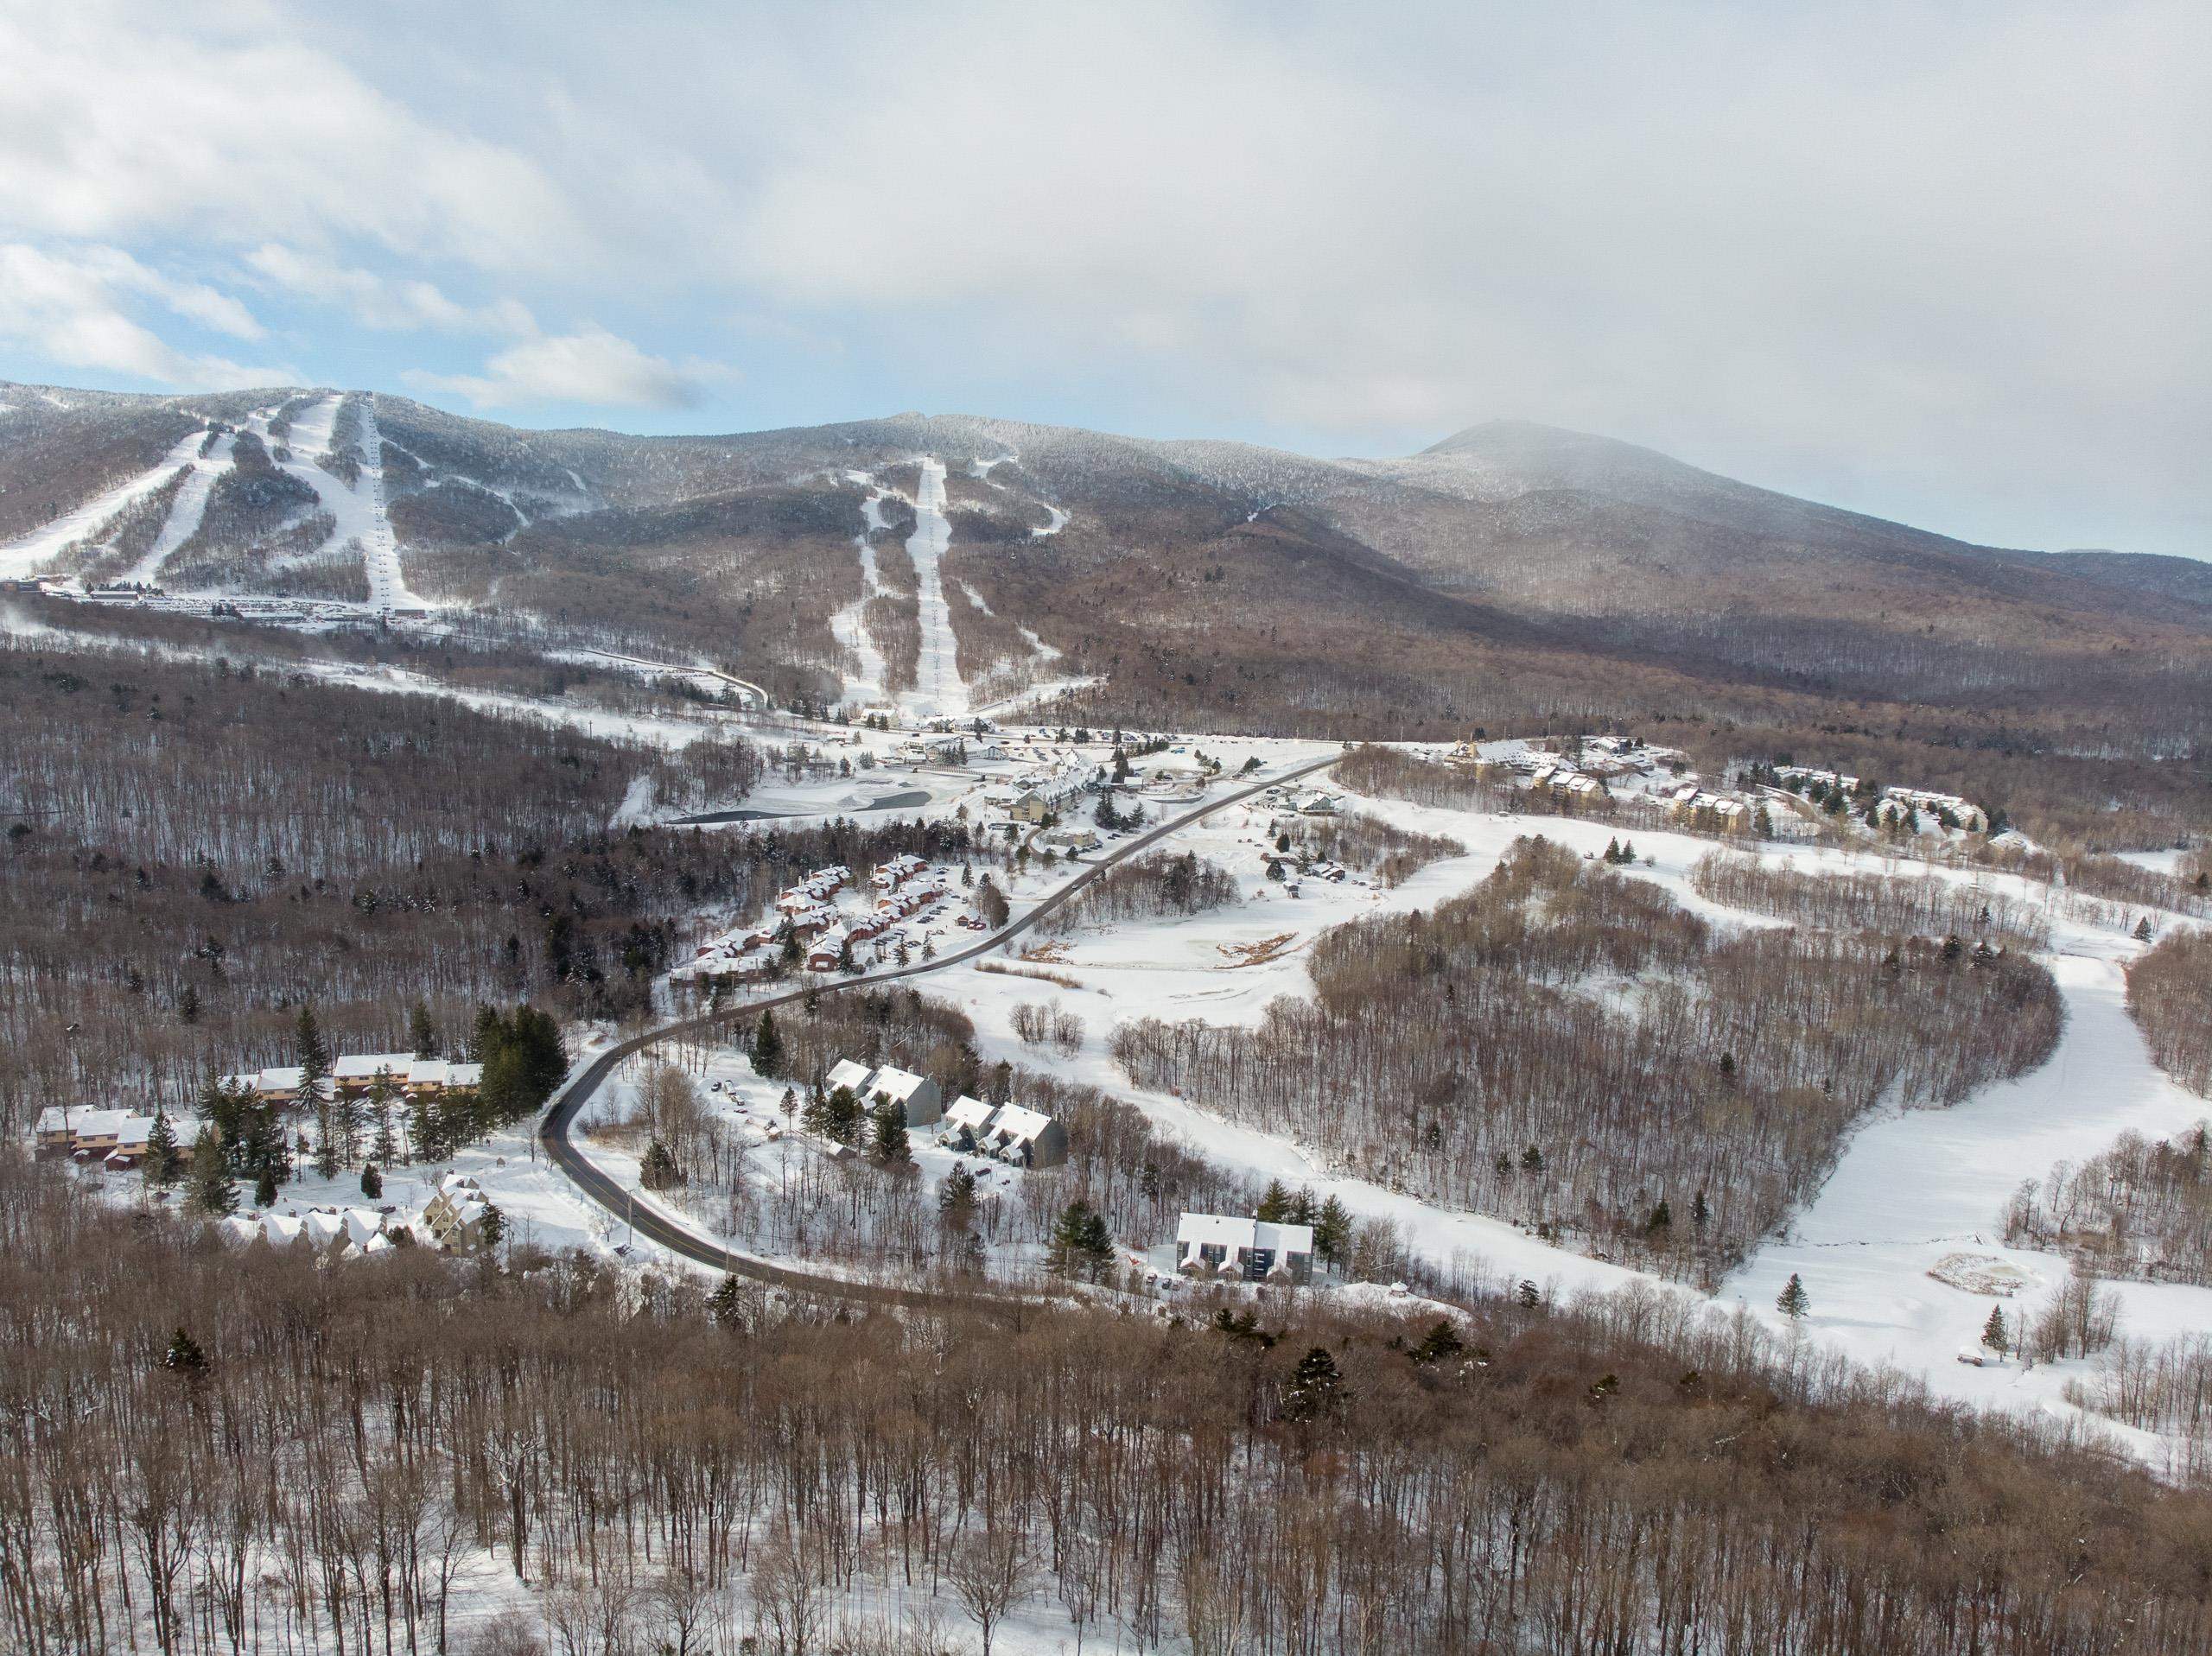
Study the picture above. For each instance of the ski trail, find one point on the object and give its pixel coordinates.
(849, 625)
(357, 509)
(1059, 521)
(186, 513)
(1043, 652)
(388, 587)
(21, 557)
(938, 687)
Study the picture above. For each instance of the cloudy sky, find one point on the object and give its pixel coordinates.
(1948, 264)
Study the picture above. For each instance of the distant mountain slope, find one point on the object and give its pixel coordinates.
(1511, 573)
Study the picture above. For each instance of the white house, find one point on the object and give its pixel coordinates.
(455, 1215)
(917, 1096)
(966, 1121)
(847, 1073)
(1228, 1249)
(1026, 1137)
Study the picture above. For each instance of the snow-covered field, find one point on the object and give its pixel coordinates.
(1910, 1186)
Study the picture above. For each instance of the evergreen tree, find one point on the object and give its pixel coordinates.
(372, 1181)
(1081, 1245)
(184, 1357)
(658, 1170)
(723, 1304)
(422, 1139)
(211, 1193)
(314, 1053)
(955, 1196)
(346, 1112)
(1332, 1231)
(187, 1005)
(890, 1124)
(1439, 1344)
(161, 1159)
(1793, 1301)
(1700, 1210)
(422, 1033)
(494, 1227)
(1316, 1389)
(265, 1187)
(1660, 1221)
(767, 1048)
(2143, 930)
(1527, 1296)
(1274, 1205)
(384, 1147)
(1994, 1334)
(1532, 1160)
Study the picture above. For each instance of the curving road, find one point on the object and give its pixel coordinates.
(623, 1203)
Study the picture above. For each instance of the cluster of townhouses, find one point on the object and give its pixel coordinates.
(112, 1139)
(354, 1074)
(1899, 806)
(903, 890)
(1220, 1248)
(340, 1232)
(1011, 1133)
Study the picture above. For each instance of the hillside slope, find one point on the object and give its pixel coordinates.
(1512, 574)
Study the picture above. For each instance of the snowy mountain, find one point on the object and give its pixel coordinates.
(1248, 584)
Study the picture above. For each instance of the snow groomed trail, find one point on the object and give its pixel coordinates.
(849, 625)
(186, 511)
(388, 588)
(358, 508)
(938, 687)
(24, 557)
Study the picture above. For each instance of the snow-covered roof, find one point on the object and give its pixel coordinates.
(1283, 1238)
(896, 1085)
(464, 1074)
(1212, 1229)
(846, 1073)
(1222, 1230)
(1017, 1124)
(283, 1078)
(426, 1072)
(969, 1113)
(363, 1066)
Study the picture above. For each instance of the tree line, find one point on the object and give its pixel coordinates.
(218, 1451)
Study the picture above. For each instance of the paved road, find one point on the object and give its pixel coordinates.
(618, 1199)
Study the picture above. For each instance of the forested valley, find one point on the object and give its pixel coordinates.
(191, 852)
(1566, 1047)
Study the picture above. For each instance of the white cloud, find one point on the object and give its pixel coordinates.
(68, 307)
(121, 121)
(590, 366)
(398, 305)
(1948, 261)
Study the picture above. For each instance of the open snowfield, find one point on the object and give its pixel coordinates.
(1910, 1186)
